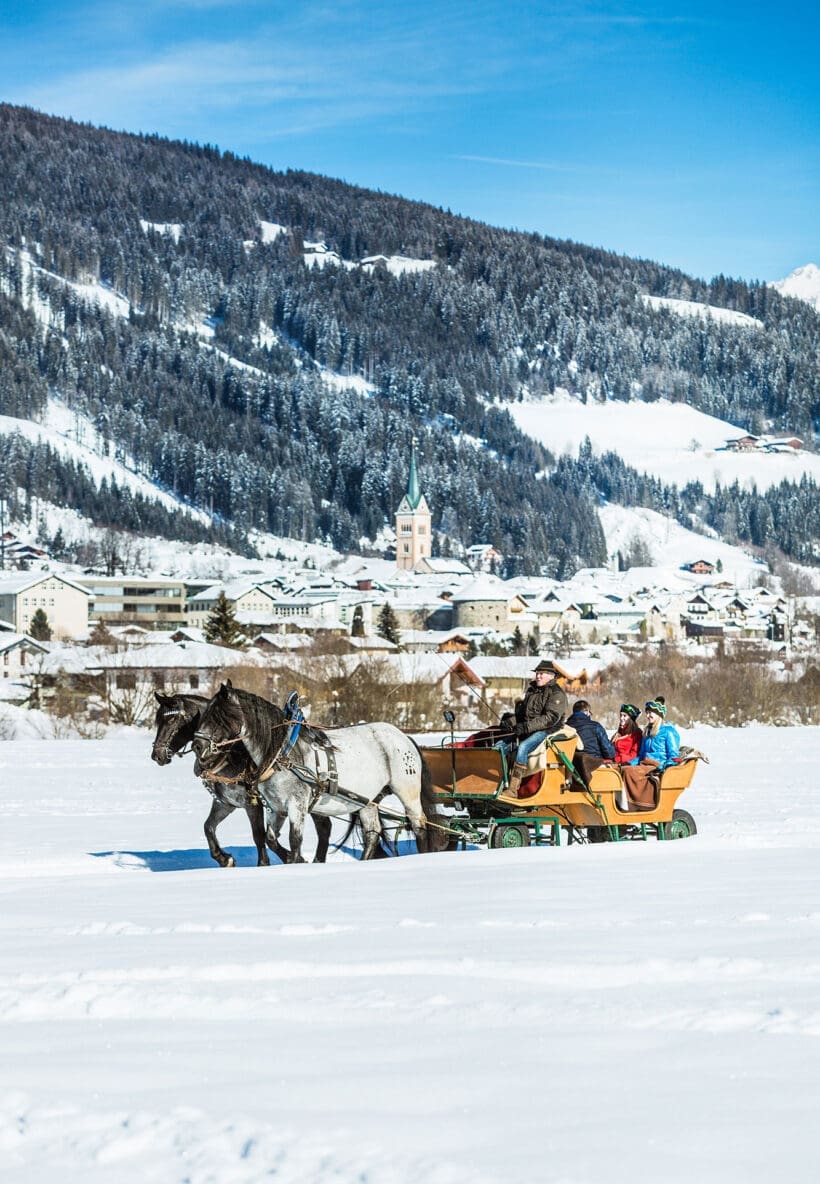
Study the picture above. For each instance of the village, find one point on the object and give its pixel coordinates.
(413, 634)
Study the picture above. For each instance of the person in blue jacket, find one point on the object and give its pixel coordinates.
(597, 746)
(660, 748)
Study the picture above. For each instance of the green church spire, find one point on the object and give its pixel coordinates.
(413, 487)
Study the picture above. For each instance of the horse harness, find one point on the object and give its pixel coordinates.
(323, 778)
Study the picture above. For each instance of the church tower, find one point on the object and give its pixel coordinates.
(413, 521)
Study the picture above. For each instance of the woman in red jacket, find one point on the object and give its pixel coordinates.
(627, 739)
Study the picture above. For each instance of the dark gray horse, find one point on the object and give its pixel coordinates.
(177, 720)
(317, 775)
(232, 787)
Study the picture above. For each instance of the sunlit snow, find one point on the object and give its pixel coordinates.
(672, 441)
(622, 1012)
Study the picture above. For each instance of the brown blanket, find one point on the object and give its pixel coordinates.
(642, 783)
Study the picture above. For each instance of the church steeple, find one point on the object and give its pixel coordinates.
(413, 520)
(413, 487)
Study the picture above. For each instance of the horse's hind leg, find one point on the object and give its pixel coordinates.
(275, 823)
(219, 812)
(371, 831)
(256, 817)
(323, 828)
(296, 817)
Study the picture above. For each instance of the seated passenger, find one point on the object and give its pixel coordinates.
(627, 739)
(659, 748)
(597, 745)
(542, 710)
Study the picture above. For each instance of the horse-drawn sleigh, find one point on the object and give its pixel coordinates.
(470, 779)
(251, 754)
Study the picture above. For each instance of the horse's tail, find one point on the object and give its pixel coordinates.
(385, 848)
(351, 826)
(437, 837)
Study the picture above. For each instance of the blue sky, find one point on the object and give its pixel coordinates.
(684, 132)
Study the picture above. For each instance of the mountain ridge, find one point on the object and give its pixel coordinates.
(250, 434)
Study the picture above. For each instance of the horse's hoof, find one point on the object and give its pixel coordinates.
(229, 862)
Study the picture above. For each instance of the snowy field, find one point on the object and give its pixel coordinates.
(627, 1012)
(671, 441)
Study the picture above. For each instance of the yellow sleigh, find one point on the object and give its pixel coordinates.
(471, 782)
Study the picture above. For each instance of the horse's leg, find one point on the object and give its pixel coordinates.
(418, 824)
(371, 830)
(323, 826)
(219, 812)
(297, 808)
(275, 823)
(256, 817)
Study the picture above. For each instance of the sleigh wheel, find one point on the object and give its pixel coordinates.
(682, 826)
(511, 834)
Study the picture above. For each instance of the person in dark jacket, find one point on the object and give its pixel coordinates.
(542, 710)
(597, 745)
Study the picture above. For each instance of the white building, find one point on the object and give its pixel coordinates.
(64, 603)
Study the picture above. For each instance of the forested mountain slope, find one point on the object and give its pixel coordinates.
(207, 369)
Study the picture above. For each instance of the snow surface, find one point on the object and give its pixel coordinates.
(692, 308)
(625, 1012)
(270, 231)
(174, 229)
(804, 283)
(671, 545)
(672, 441)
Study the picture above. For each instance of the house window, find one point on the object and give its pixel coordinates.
(193, 681)
(126, 680)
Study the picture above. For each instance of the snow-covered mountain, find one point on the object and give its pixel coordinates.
(804, 283)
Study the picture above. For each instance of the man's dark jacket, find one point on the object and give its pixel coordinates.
(593, 737)
(541, 710)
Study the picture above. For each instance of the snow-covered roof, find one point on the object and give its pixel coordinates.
(10, 641)
(13, 585)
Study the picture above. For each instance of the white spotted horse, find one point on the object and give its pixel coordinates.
(305, 770)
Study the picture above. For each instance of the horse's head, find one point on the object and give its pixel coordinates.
(220, 725)
(176, 720)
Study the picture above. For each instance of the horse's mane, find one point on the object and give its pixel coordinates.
(236, 757)
(267, 714)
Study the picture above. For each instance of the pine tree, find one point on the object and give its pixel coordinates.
(101, 635)
(40, 629)
(221, 627)
(388, 626)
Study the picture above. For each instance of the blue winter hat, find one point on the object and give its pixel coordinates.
(657, 706)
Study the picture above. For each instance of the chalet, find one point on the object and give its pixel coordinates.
(742, 444)
(17, 653)
(484, 557)
(700, 567)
